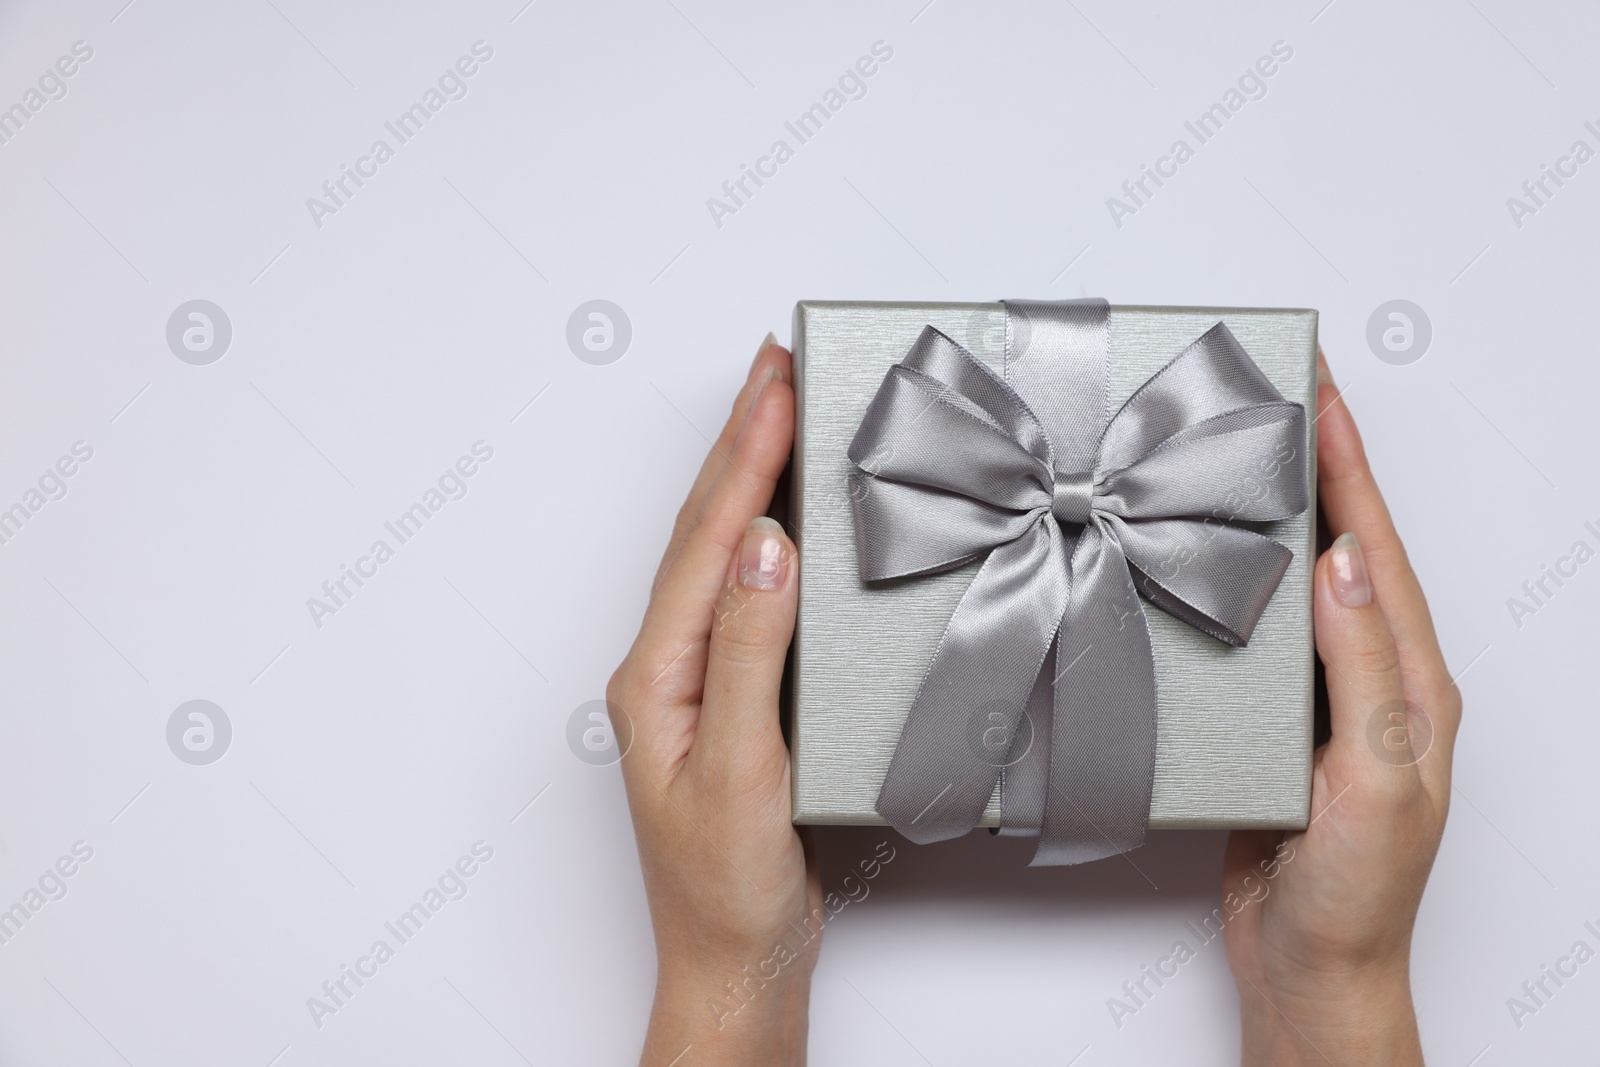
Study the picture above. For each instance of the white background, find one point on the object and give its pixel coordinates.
(370, 353)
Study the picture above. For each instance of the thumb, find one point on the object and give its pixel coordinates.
(1365, 695)
(750, 635)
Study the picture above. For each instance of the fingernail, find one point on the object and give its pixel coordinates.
(762, 561)
(1324, 372)
(1348, 569)
(769, 339)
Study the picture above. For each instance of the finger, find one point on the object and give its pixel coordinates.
(679, 616)
(1351, 503)
(749, 641)
(1363, 666)
(769, 355)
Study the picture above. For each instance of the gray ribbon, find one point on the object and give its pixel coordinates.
(1044, 679)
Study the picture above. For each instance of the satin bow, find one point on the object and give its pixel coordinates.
(955, 465)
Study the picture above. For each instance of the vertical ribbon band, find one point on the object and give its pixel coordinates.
(1044, 679)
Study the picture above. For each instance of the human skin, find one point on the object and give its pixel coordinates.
(727, 875)
(1321, 952)
(1322, 962)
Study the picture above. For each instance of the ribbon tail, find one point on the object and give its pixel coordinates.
(965, 715)
(1103, 729)
(1025, 778)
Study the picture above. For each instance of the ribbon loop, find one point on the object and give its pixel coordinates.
(954, 464)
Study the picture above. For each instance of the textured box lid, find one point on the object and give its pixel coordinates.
(1234, 726)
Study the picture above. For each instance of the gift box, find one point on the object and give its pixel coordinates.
(1233, 736)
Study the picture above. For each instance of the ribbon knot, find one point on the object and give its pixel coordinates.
(1072, 498)
(957, 464)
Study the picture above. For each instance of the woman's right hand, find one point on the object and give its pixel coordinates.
(1320, 949)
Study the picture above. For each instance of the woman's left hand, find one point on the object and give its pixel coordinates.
(731, 884)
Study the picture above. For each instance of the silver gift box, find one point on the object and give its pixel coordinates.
(1234, 726)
